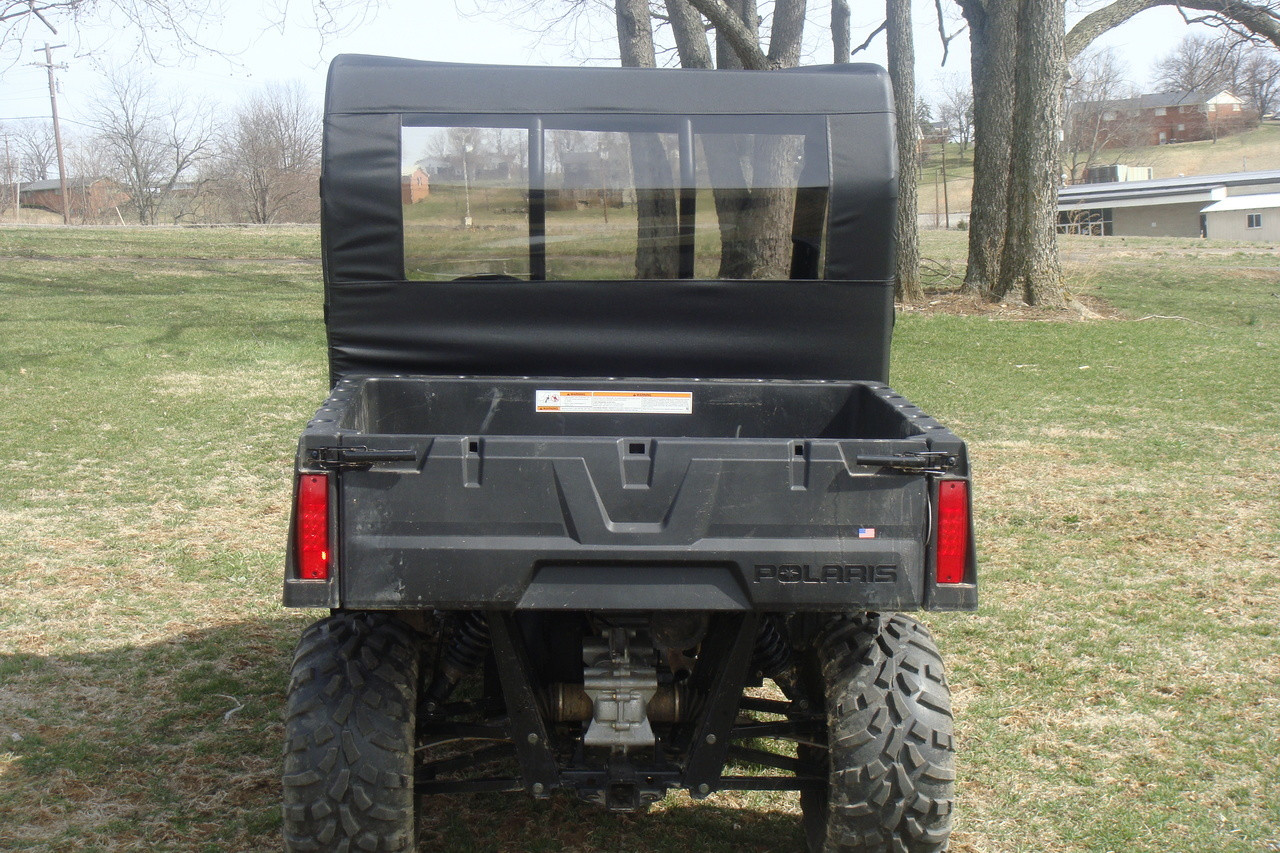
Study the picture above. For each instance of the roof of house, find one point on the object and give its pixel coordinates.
(1160, 99)
(1244, 202)
(41, 186)
(1162, 191)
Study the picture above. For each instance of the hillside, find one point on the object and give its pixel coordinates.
(1256, 150)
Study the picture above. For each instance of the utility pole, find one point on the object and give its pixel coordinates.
(11, 177)
(945, 203)
(57, 130)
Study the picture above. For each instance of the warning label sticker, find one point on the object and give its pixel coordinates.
(616, 402)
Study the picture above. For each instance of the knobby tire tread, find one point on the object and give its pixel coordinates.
(348, 763)
(892, 760)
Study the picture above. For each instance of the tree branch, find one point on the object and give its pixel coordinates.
(1262, 21)
(942, 32)
(30, 8)
(866, 44)
(42, 18)
(735, 31)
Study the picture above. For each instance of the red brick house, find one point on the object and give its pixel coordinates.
(87, 199)
(1165, 117)
(414, 187)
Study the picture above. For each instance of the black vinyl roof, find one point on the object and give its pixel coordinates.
(379, 323)
(378, 84)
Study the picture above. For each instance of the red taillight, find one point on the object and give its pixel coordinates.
(312, 527)
(953, 530)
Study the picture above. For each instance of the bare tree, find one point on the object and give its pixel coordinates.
(1018, 70)
(1096, 78)
(1259, 79)
(1030, 267)
(955, 111)
(162, 27)
(902, 61)
(35, 150)
(269, 156)
(1249, 70)
(151, 144)
(1018, 58)
(993, 38)
(1199, 64)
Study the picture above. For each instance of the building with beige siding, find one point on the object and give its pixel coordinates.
(1170, 207)
(1244, 217)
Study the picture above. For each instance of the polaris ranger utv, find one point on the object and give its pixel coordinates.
(610, 495)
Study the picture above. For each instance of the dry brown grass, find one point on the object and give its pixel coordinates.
(1117, 690)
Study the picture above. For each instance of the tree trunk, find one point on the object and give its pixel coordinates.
(690, 35)
(841, 43)
(786, 33)
(993, 29)
(907, 287)
(1030, 264)
(737, 32)
(657, 229)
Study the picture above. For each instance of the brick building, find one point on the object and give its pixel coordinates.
(1164, 118)
(414, 187)
(87, 199)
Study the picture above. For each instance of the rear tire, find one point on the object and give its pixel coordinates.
(891, 760)
(349, 736)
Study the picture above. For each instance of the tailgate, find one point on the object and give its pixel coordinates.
(637, 522)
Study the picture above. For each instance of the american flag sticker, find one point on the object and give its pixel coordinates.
(866, 533)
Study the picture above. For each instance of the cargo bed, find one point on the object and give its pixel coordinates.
(535, 494)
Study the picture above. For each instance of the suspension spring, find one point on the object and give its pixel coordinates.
(773, 657)
(772, 654)
(471, 642)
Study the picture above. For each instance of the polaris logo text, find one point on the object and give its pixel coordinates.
(832, 573)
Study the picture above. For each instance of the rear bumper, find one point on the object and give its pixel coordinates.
(414, 573)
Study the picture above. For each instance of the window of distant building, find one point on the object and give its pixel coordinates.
(1255, 220)
(1160, 111)
(1182, 127)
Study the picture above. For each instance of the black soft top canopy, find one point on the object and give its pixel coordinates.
(833, 323)
(372, 85)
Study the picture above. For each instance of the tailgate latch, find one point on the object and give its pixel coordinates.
(919, 462)
(337, 458)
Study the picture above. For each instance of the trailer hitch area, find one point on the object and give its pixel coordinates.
(620, 676)
(621, 786)
(920, 462)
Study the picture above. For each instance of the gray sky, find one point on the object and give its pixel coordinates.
(438, 30)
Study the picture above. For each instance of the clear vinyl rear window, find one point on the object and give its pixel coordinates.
(610, 197)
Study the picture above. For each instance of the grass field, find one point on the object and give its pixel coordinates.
(1119, 690)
